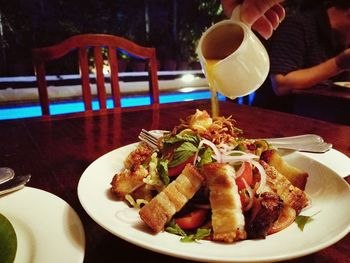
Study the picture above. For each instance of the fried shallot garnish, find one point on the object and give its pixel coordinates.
(217, 130)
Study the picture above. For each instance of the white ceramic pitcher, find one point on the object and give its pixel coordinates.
(242, 61)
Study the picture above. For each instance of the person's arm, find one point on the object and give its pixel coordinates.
(304, 78)
(308, 77)
(264, 16)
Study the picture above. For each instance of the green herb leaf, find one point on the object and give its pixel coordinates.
(188, 239)
(182, 153)
(206, 157)
(241, 147)
(162, 168)
(8, 241)
(192, 138)
(302, 220)
(200, 234)
(173, 228)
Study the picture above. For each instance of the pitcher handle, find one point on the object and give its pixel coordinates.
(236, 15)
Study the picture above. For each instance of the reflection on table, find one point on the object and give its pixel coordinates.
(56, 152)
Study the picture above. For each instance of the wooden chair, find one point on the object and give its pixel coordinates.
(96, 42)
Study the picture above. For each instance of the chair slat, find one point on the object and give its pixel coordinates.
(42, 88)
(153, 80)
(112, 56)
(85, 79)
(100, 79)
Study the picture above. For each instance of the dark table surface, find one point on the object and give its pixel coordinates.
(56, 151)
(329, 90)
(327, 102)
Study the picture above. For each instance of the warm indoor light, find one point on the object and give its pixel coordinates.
(188, 78)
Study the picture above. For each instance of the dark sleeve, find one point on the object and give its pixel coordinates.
(287, 47)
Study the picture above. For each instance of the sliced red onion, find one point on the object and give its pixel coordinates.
(137, 186)
(217, 154)
(238, 158)
(262, 172)
(240, 171)
(250, 193)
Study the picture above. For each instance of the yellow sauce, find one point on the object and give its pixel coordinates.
(209, 66)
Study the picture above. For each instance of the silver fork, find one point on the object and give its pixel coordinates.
(151, 137)
(304, 143)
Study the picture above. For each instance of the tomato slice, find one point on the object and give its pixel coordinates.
(176, 170)
(247, 175)
(194, 219)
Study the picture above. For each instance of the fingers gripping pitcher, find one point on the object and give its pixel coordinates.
(234, 60)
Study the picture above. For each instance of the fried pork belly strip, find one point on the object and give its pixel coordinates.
(131, 178)
(227, 217)
(127, 181)
(296, 176)
(163, 207)
(289, 193)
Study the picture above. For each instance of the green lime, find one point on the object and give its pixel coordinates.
(8, 241)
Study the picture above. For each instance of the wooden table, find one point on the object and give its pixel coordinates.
(57, 151)
(328, 90)
(326, 102)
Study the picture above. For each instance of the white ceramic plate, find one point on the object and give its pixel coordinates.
(330, 196)
(343, 84)
(47, 228)
(335, 160)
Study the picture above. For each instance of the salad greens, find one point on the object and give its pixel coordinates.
(162, 169)
(302, 220)
(201, 233)
(186, 137)
(182, 153)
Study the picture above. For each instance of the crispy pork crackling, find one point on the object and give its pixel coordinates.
(227, 216)
(162, 208)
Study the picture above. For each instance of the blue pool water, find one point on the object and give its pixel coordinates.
(26, 111)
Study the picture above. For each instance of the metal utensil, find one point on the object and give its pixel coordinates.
(150, 137)
(6, 174)
(306, 143)
(321, 147)
(299, 139)
(14, 184)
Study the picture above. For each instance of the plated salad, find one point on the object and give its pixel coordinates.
(206, 181)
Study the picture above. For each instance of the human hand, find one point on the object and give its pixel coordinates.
(343, 60)
(263, 15)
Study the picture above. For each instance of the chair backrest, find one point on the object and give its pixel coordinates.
(97, 42)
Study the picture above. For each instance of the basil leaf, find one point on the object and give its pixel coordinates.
(8, 241)
(200, 234)
(162, 169)
(188, 239)
(173, 228)
(192, 138)
(303, 220)
(206, 156)
(182, 153)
